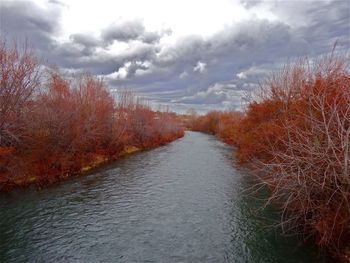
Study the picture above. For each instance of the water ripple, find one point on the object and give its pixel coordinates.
(178, 203)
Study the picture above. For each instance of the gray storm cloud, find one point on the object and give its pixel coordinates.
(206, 72)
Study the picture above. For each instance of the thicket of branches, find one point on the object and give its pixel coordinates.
(297, 132)
(52, 126)
(306, 155)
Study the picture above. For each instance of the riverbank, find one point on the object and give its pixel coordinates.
(54, 124)
(182, 202)
(341, 254)
(296, 135)
(8, 184)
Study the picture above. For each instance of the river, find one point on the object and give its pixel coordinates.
(183, 202)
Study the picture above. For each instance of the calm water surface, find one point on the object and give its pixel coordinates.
(178, 203)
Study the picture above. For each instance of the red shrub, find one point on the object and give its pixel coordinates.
(69, 125)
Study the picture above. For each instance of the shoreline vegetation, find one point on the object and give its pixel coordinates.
(295, 136)
(54, 125)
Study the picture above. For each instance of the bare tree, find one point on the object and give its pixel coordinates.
(19, 78)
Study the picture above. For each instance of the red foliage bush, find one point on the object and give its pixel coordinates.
(297, 134)
(307, 149)
(54, 128)
(225, 125)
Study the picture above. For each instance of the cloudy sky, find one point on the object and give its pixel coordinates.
(182, 53)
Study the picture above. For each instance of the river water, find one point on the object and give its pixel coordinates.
(182, 202)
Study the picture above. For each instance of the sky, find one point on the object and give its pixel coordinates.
(206, 55)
